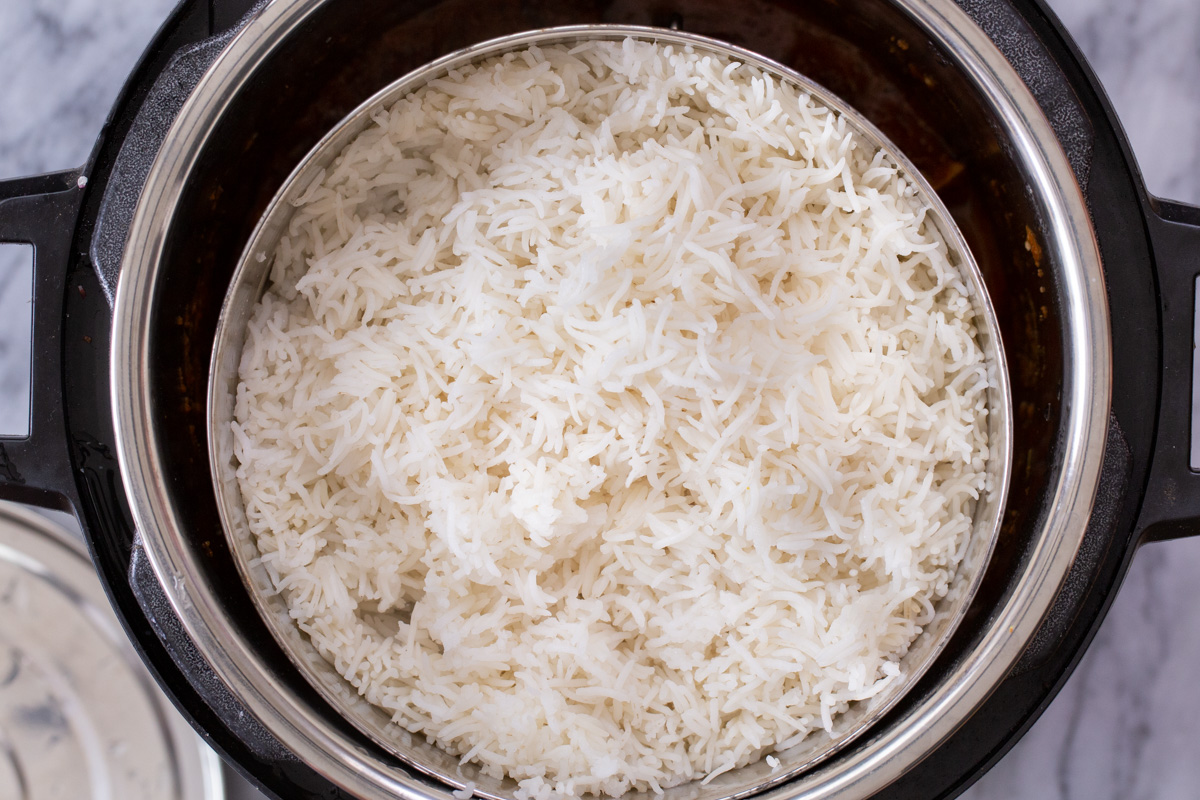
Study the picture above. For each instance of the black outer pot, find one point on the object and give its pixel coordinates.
(1147, 490)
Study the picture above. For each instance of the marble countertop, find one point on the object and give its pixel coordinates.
(1126, 725)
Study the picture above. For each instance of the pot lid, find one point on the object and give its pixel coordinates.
(79, 715)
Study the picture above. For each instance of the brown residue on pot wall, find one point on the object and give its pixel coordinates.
(1035, 249)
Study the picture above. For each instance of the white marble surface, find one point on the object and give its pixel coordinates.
(1127, 725)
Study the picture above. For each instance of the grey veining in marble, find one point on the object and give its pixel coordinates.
(1127, 724)
(1147, 54)
(16, 284)
(62, 64)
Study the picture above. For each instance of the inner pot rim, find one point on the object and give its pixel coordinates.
(251, 278)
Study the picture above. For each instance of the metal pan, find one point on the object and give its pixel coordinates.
(250, 281)
(80, 717)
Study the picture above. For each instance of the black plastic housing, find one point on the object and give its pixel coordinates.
(864, 50)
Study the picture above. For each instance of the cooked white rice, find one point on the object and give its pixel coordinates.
(613, 418)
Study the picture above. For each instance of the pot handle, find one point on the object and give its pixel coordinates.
(41, 210)
(1171, 507)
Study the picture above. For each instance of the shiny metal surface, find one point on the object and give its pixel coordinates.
(79, 715)
(873, 763)
(249, 283)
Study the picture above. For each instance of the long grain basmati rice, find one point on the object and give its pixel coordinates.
(613, 417)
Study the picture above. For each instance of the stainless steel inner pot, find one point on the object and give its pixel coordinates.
(301, 721)
(251, 279)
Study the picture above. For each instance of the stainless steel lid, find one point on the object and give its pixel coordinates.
(79, 715)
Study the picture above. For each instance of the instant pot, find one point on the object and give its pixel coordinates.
(1093, 282)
